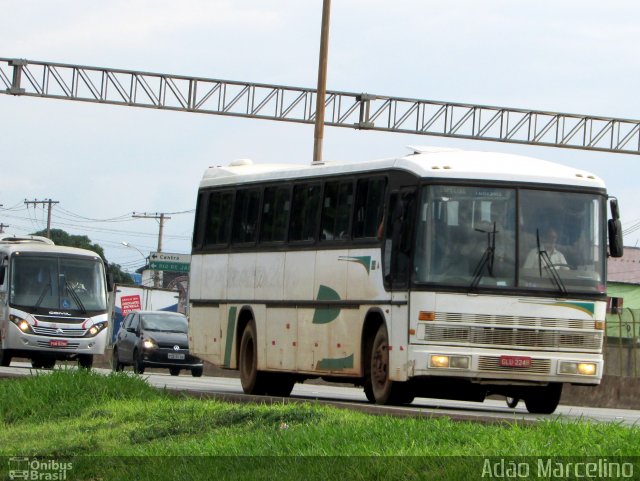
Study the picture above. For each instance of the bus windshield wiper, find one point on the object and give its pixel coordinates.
(42, 294)
(486, 259)
(74, 296)
(543, 257)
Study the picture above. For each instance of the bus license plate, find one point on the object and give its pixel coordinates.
(515, 361)
(58, 343)
(173, 355)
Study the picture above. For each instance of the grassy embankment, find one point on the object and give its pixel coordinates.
(74, 415)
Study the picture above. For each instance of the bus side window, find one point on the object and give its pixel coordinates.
(245, 216)
(275, 214)
(218, 218)
(336, 210)
(399, 238)
(369, 207)
(304, 212)
(3, 270)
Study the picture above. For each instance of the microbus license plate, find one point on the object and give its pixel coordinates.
(58, 343)
(174, 355)
(515, 361)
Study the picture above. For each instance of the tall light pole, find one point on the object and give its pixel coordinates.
(131, 246)
(322, 83)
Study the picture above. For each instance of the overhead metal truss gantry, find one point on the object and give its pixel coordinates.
(294, 104)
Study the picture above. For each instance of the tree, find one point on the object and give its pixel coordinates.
(62, 238)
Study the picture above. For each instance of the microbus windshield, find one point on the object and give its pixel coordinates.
(57, 282)
(505, 238)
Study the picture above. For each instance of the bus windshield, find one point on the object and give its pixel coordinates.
(505, 238)
(52, 282)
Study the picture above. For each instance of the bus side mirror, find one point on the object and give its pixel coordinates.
(616, 247)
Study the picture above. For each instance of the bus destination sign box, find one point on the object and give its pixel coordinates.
(166, 261)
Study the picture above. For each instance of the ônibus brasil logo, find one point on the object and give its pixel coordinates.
(38, 469)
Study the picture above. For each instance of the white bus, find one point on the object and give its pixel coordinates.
(53, 302)
(434, 275)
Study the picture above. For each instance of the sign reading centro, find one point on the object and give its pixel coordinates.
(166, 261)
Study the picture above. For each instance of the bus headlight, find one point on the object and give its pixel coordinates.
(453, 362)
(22, 324)
(581, 368)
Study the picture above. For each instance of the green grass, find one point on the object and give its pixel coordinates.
(77, 413)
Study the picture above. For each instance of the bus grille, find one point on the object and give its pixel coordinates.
(513, 321)
(538, 366)
(58, 331)
(60, 319)
(513, 337)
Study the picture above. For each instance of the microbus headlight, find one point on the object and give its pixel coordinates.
(149, 344)
(22, 324)
(95, 329)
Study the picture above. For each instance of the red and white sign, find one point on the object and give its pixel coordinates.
(129, 304)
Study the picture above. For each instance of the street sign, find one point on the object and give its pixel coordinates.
(166, 261)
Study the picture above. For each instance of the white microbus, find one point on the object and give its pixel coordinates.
(442, 274)
(53, 302)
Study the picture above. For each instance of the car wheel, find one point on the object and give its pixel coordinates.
(138, 364)
(196, 371)
(174, 371)
(116, 365)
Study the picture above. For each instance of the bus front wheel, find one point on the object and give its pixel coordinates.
(252, 380)
(5, 358)
(545, 400)
(377, 385)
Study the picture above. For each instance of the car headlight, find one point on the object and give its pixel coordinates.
(149, 344)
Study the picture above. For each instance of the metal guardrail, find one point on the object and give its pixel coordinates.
(294, 104)
(622, 347)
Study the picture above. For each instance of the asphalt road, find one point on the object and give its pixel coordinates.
(492, 410)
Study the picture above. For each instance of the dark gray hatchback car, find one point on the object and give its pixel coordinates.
(155, 339)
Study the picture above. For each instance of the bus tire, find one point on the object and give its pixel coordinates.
(545, 400)
(5, 358)
(280, 384)
(377, 385)
(252, 380)
(85, 361)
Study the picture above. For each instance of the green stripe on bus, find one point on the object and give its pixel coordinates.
(324, 315)
(231, 327)
(364, 261)
(333, 364)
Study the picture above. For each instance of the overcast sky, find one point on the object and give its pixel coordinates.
(104, 162)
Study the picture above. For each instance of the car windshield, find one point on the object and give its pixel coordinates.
(164, 322)
(57, 282)
(506, 238)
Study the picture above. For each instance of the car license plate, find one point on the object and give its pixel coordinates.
(515, 361)
(175, 355)
(58, 343)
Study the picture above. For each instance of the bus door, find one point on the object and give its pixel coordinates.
(398, 247)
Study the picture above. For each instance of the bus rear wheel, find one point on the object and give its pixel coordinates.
(377, 385)
(252, 380)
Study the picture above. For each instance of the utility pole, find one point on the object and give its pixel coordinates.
(50, 204)
(3, 227)
(322, 83)
(161, 217)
